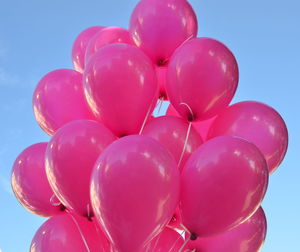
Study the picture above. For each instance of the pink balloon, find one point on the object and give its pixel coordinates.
(70, 158)
(159, 27)
(80, 45)
(202, 127)
(247, 237)
(258, 123)
(68, 232)
(161, 72)
(223, 183)
(134, 191)
(176, 220)
(172, 132)
(59, 99)
(107, 36)
(30, 184)
(121, 87)
(202, 78)
(167, 241)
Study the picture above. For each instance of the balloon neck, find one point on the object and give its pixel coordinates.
(193, 237)
(89, 218)
(62, 208)
(191, 118)
(162, 62)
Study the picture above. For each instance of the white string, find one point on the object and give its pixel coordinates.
(185, 243)
(80, 232)
(189, 108)
(185, 143)
(53, 203)
(160, 103)
(178, 239)
(146, 117)
(156, 242)
(185, 229)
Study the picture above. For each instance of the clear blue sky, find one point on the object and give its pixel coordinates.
(36, 37)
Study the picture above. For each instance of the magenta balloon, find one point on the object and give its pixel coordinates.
(59, 99)
(121, 87)
(70, 158)
(107, 36)
(30, 184)
(202, 78)
(167, 241)
(80, 45)
(134, 191)
(171, 132)
(161, 72)
(247, 237)
(257, 123)
(223, 183)
(69, 233)
(202, 127)
(159, 27)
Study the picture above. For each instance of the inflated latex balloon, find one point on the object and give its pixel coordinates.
(159, 27)
(202, 127)
(223, 183)
(80, 45)
(30, 184)
(202, 78)
(257, 123)
(107, 36)
(174, 134)
(167, 241)
(121, 87)
(59, 99)
(70, 158)
(134, 191)
(161, 72)
(247, 237)
(68, 233)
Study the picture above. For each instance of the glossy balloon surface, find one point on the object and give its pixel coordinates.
(134, 191)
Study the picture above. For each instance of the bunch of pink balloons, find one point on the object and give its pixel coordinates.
(115, 178)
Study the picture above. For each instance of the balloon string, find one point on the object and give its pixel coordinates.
(185, 143)
(185, 243)
(160, 103)
(178, 239)
(185, 229)
(146, 117)
(80, 232)
(52, 201)
(156, 242)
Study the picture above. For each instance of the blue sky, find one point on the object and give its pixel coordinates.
(36, 37)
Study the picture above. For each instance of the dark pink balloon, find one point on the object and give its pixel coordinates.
(159, 27)
(161, 72)
(257, 123)
(202, 78)
(68, 232)
(107, 36)
(121, 87)
(59, 99)
(71, 155)
(247, 237)
(202, 127)
(167, 241)
(30, 184)
(80, 45)
(172, 132)
(134, 191)
(223, 183)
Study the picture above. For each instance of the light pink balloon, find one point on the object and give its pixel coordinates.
(202, 78)
(202, 127)
(121, 87)
(167, 241)
(257, 123)
(70, 158)
(68, 232)
(172, 132)
(134, 191)
(247, 237)
(80, 45)
(59, 99)
(161, 72)
(159, 27)
(223, 183)
(108, 35)
(30, 184)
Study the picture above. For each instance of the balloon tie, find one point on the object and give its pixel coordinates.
(185, 143)
(54, 203)
(80, 232)
(146, 117)
(191, 117)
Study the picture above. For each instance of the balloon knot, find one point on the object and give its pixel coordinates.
(193, 237)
